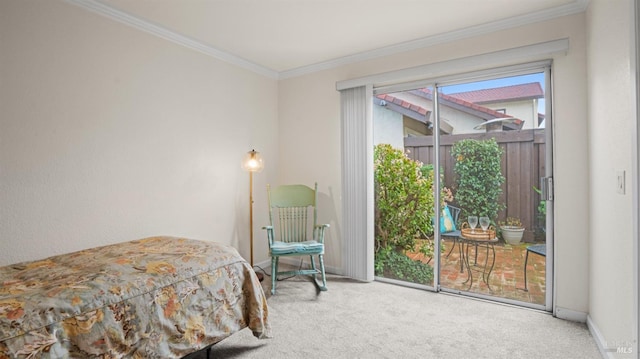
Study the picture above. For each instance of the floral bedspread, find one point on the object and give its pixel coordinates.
(158, 297)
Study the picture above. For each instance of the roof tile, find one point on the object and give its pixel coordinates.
(514, 92)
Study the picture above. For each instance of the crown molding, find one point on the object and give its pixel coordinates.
(575, 7)
(108, 11)
(477, 64)
(164, 33)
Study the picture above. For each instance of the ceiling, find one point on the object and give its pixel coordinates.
(287, 36)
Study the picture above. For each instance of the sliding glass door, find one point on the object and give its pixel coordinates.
(462, 208)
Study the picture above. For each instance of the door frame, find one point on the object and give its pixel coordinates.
(359, 232)
(544, 67)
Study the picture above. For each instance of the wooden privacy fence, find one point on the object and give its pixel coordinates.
(523, 163)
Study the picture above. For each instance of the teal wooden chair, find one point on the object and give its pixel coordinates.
(293, 231)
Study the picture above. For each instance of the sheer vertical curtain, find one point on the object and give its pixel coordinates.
(357, 185)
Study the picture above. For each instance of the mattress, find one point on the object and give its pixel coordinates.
(158, 297)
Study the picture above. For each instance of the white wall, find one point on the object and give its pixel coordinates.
(611, 122)
(388, 127)
(109, 134)
(317, 91)
(310, 150)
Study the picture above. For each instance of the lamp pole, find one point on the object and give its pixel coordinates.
(251, 214)
(252, 163)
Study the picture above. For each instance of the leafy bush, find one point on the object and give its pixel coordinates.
(403, 211)
(392, 264)
(446, 195)
(403, 199)
(479, 177)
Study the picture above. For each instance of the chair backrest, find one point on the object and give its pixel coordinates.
(293, 212)
(455, 213)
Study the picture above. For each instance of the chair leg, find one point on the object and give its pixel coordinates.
(460, 254)
(526, 259)
(313, 267)
(453, 245)
(274, 274)
(324, 279)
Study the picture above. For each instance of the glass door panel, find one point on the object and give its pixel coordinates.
(492, 151)
(404, 188)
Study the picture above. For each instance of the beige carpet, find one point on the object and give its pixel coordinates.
(379, 320)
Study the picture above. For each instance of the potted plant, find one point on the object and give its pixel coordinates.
(511, 230)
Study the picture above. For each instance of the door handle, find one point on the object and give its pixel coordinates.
(546, 188)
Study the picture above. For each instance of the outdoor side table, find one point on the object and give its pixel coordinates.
(540, 249)
(485, 269)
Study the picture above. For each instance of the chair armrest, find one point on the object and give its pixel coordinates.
(270, 234)
(318, 232)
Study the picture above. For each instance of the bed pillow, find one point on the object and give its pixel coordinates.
(446, 221)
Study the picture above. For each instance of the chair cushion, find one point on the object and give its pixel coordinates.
(446, 221)
(307, 247)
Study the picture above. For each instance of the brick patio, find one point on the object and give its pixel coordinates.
(507, 277)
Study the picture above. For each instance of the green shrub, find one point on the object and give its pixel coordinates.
(479, 177)
(403, 199)
(392, 264)
(403, 212)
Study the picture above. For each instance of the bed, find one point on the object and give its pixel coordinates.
(158, 297)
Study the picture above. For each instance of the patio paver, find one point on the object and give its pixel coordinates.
(507, 277)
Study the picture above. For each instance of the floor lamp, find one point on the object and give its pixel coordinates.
(252, 162)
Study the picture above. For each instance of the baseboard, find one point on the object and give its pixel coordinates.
(572, 315)
(295, 261)
(266, 265)
(599, 339)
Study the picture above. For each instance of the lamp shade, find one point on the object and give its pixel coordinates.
(252, 161)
